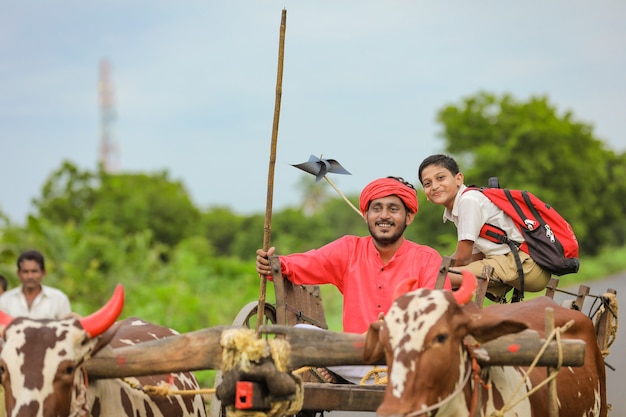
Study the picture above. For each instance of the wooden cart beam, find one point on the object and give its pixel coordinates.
(342, 397)
(202, 350)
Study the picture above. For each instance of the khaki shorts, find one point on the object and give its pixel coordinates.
(505, 271)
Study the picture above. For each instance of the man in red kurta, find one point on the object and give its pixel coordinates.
(367, 269)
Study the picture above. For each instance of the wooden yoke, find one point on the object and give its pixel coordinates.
(296, 304)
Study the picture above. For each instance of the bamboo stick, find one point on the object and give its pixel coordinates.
(267, 228)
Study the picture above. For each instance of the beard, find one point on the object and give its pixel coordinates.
(387, 239)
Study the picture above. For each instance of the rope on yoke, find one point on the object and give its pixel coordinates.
(241, 347)
(163, 389)
(510, 402)
(609, 302)
(378, 379)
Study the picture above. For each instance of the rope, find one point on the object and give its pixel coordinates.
(609, 301)
(378, 380)
(241, 346)
(555, 334)
(301, 370)
(79, 406)
(163, 389)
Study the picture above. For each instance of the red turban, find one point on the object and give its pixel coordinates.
(384, 187)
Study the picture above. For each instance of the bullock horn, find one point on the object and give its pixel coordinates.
(5, 319)
(97, 323)
(465, 292)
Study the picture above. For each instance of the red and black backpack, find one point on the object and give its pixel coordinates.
(549, 238)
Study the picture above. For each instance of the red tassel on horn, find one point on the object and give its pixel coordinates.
(97, 323)
(466, 291)
(5, 320)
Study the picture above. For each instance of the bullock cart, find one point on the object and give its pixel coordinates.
(299, 304)
(295, 304)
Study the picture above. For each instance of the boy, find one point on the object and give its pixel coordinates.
(443, 184)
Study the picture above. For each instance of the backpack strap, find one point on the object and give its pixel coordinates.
(497, 235)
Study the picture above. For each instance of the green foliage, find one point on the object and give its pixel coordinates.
(217, 225)
(119, 205)
(67, 195)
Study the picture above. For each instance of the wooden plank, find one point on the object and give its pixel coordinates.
(483, 284)
(553, 395)
(551, 287)
(279, 289)
(341, 397)
(526, 345)
(446, 263)
(583, 291)
(296, 303)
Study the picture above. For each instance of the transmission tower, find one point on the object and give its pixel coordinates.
(109, 152)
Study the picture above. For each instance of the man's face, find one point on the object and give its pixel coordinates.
(30, 274)
(387, 218)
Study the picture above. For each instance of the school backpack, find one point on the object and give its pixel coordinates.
(549, 238)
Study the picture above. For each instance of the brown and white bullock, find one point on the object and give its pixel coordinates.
(422, 338)
(42, 375)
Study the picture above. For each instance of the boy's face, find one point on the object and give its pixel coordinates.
(440, 185)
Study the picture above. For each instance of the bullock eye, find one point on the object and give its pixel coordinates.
(69, 370)
(441, 338)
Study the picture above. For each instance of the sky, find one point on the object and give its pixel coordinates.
(194, 86)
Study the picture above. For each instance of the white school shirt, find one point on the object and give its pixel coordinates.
(50, 303)
(476, 210)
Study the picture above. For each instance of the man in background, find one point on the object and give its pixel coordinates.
(31, 298)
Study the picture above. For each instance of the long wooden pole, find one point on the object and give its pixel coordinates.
(267, 228)
(202, 350)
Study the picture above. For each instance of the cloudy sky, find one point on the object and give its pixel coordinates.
(195, 82)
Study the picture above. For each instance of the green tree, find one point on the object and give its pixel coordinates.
(119, 205)
(67, 194)
(220, 226)
(529, 145)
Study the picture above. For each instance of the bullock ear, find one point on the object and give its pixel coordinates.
(485, 327)
(406, 285)
(373, 348)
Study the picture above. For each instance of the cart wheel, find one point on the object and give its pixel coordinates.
(247, 317)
